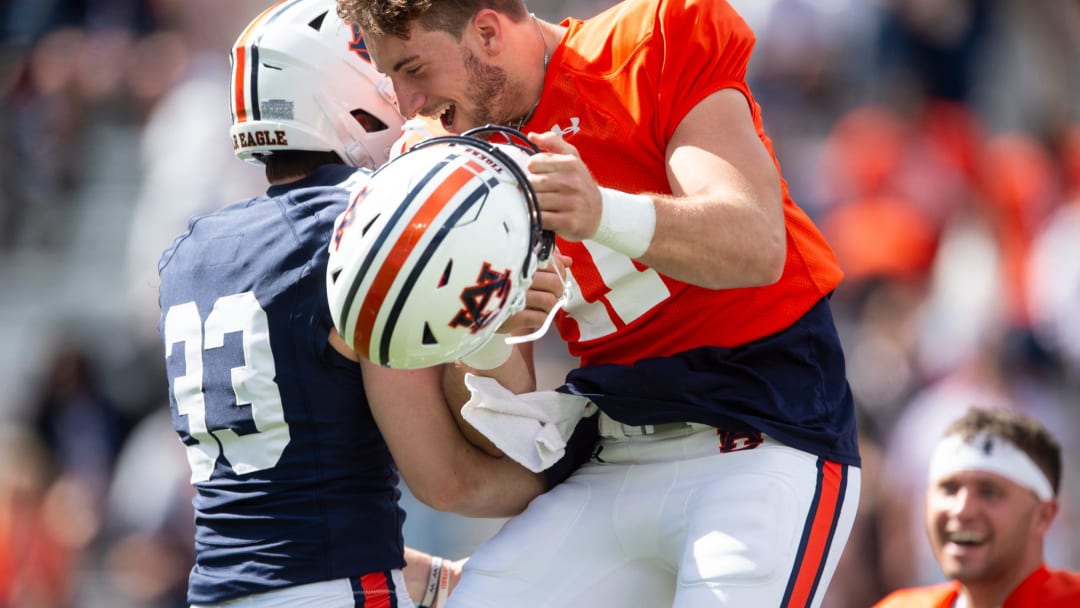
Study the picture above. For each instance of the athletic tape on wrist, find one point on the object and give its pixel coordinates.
(434, 576)
(987, 452)
(489, 356)
(627, 222)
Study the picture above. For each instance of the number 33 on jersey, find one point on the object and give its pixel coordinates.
(204, 349)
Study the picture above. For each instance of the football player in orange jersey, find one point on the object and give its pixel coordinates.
(723, 468)
(994, 482)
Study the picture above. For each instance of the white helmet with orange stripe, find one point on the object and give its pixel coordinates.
(303, 80)
(436, 251)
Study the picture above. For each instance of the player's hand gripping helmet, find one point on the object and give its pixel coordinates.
(298, 76)
(437, 250)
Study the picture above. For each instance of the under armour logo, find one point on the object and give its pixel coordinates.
(575, 126)
(483, 300)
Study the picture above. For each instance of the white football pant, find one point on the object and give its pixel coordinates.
(670, 519)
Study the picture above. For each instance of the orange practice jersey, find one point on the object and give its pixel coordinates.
(1043, 588)
(618, 87)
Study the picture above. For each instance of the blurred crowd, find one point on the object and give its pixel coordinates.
(935, 142)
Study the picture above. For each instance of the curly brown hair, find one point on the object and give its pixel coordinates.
(393, 17)
(1026, 433)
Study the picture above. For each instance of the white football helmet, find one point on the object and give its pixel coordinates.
(298, 75)
(436, 251)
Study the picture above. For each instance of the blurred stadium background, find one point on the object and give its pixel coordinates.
(936, 142)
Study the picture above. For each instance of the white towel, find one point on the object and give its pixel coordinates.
(531, 428)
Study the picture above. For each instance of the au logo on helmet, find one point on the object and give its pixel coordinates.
(491, 288)
(357, 44)
(436, 252)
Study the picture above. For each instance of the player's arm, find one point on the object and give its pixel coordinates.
(517, 373)
(723, 226)
(442, 467)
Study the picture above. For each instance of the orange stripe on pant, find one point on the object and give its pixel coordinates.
(820, 535)
(401, 250)
(377, 593)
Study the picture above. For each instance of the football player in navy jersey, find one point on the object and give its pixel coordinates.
(296, 489)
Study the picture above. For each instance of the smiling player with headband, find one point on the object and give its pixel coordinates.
(994, 481)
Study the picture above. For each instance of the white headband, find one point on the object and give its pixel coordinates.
(986, 452)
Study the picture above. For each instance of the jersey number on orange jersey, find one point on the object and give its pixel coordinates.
(626, 293)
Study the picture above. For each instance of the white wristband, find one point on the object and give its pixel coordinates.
(444, 589)
(489, 356)
(627, 222)
(434, 576)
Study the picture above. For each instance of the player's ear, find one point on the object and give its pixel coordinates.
(488, 29)
(1047, 510)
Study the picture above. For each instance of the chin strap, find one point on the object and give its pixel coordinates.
(564, 299)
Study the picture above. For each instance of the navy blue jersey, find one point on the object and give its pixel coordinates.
(294, 483)
(791, 385)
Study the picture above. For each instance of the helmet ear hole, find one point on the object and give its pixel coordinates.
(334, 276)
(446, 273)
(429, 338)
(368, 226)
(316, 23)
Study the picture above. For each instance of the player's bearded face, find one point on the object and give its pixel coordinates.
(488, 90)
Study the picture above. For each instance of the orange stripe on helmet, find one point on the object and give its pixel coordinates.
(403, 248)
(240, 63)
(240, 54)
